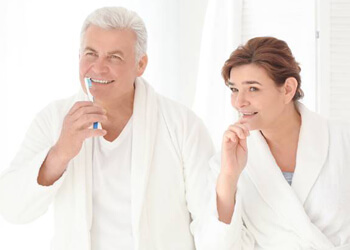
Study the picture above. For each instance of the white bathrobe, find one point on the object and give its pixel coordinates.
(312, 213)
(170, 153)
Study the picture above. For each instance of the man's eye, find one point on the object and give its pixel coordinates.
(115, 57)
(90, 54)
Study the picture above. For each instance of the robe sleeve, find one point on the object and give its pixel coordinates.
(209, 232)
(22, 199)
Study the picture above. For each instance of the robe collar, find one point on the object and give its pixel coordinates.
(145, 120)
(285, 200)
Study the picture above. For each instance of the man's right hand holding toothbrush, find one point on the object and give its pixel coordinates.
(76, 129)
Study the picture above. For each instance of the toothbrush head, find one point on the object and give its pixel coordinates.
(88, 81)
(88, 85)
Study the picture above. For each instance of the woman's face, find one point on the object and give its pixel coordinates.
(256, 97)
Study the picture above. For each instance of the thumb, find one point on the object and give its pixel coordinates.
(243, 143)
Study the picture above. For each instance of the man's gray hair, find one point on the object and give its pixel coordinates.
(119, 18)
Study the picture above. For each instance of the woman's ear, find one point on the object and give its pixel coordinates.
(290, 87)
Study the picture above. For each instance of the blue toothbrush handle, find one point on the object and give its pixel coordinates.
(91, 98)
(95, 126)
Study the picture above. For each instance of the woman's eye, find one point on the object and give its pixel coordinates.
(234, 89)
(252, 89)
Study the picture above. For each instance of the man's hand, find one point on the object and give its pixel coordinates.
(75, 130)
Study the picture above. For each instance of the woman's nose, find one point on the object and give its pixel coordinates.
(239, 100)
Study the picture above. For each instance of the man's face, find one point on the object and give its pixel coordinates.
(108, 58)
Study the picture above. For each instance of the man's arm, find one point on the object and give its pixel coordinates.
(28, 187)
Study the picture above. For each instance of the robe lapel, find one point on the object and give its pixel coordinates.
(82, 189)
(312, 152)
(81, 169)
(275, 190)
(88, 174)
(143, 140)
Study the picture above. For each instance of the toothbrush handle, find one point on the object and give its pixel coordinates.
(95, 126)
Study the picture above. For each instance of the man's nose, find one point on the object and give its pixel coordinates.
(100, 65)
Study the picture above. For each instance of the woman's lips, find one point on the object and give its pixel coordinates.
(248, 114)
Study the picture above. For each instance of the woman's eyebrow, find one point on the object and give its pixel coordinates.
(245, 82)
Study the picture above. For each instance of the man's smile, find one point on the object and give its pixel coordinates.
(100, 81)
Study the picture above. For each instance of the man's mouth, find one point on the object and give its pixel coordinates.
(100, 81)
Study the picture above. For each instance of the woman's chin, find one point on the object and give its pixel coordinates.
(252, 126)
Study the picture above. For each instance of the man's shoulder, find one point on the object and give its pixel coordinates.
(174, 109)
(60, 107)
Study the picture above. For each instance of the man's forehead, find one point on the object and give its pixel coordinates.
(113, 51)
(108, 40)
(93, 29)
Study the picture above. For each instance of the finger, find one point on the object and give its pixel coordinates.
(88, 133)
(230, 136)
(243, 144)
(88, 110)
(238, 130)
(241, 121)
(244, 128)
(79, 105)
(86, 120)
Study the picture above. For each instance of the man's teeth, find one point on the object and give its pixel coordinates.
(101, 81)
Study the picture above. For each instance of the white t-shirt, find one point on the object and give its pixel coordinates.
(111, 223)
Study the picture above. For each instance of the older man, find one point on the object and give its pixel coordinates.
(133, 183)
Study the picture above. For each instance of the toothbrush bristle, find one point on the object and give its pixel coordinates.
(89, 82)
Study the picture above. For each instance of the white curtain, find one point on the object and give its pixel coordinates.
(221, 35)
(230, 23)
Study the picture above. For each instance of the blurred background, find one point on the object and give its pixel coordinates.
(189, 40)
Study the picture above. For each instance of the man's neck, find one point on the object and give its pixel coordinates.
(120, 107)
(119, 111)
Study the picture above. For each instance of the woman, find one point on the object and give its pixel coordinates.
(285, 171)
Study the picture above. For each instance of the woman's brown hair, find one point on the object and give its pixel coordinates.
(269, 53)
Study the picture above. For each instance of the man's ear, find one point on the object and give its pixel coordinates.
(290, 87)
(141, 65)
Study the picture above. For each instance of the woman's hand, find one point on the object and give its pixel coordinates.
(234, 156)
(234, 152)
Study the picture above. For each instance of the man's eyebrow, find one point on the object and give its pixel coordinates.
(109, 53)
(91, 49)
(245, 82)
(116, 52)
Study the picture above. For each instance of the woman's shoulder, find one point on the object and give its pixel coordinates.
(339, 131)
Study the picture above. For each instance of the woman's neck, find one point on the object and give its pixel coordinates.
(286, 129)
